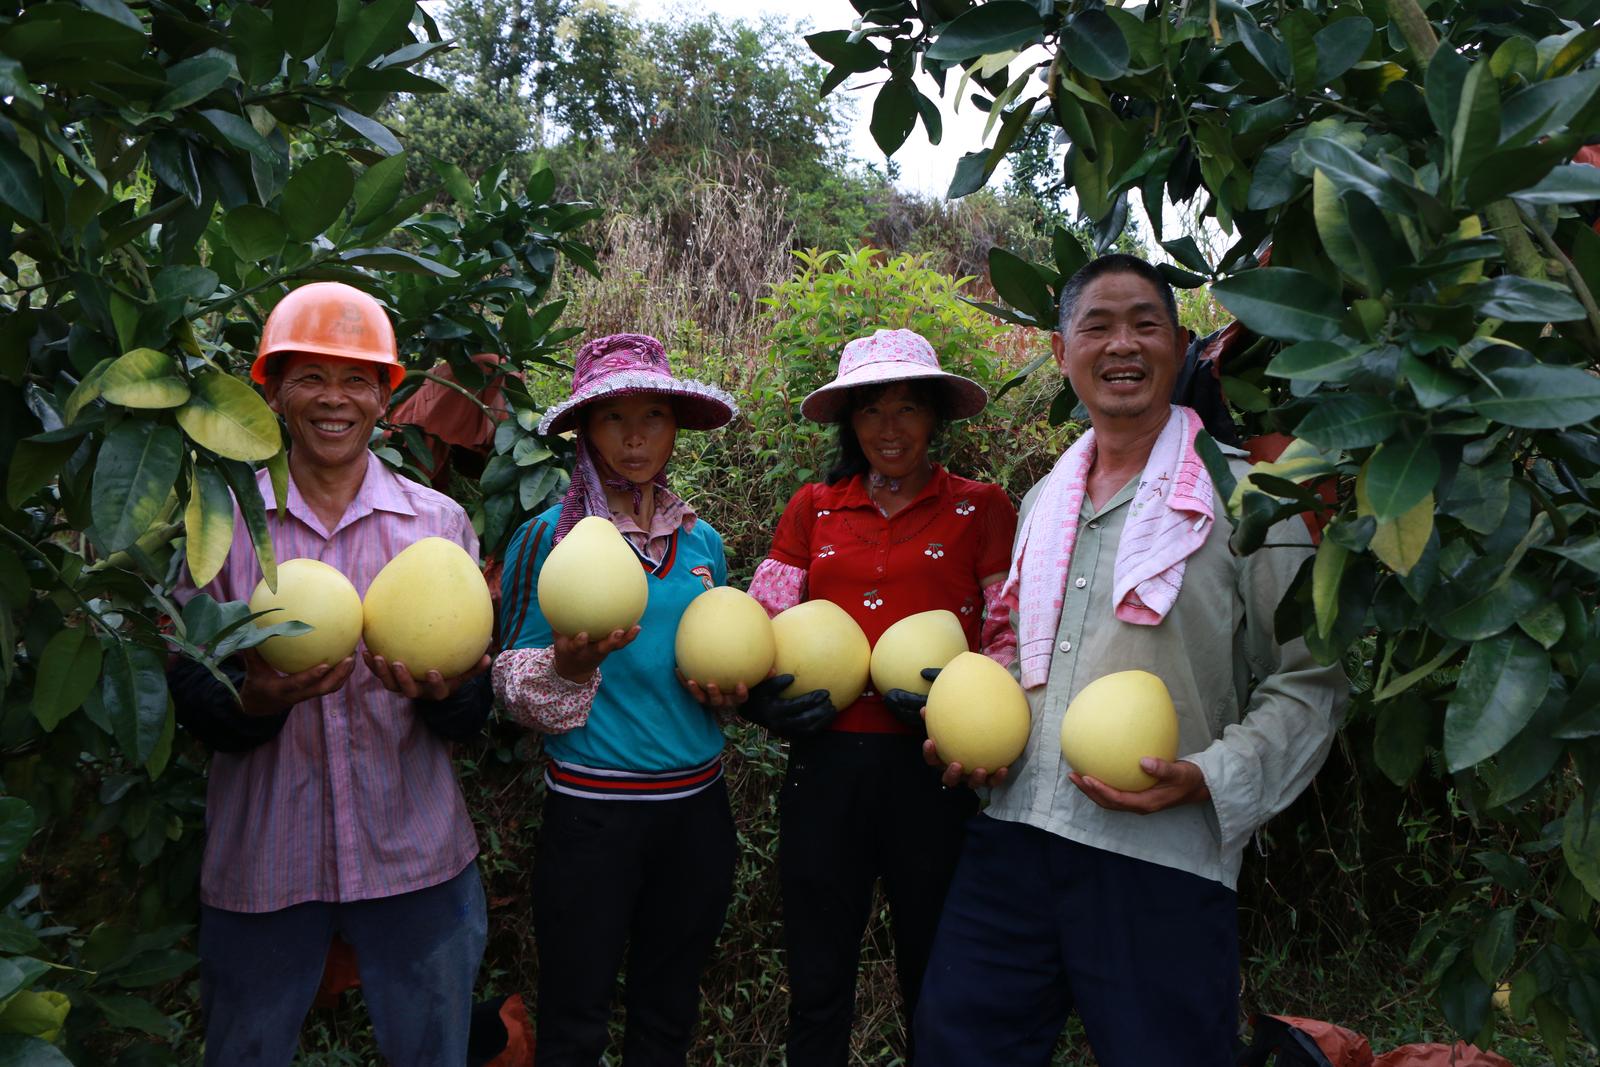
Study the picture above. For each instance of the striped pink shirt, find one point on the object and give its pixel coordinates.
(356, 798)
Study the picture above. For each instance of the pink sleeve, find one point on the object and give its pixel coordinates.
(777, 586)
(999, 639)
(535, 696)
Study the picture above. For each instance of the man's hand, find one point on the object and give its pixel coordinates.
(1177, 783)
(266, 692)
(577, 657)
(955, 774)
(711, 695)
(397, 679)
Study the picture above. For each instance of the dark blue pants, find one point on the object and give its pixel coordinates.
(1036, 926)
(418, 953)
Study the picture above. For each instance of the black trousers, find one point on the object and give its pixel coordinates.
(652, 877)
(856, 808)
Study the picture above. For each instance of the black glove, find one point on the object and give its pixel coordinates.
(798, 716)
(906, 706)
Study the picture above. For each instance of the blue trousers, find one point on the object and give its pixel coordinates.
(1036, 926)
(418, 953)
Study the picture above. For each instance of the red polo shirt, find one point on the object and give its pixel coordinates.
(931, 554)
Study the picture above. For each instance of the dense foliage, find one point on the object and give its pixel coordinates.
(1427, 328)
(166, 172)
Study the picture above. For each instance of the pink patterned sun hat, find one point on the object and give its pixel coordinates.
(625, 364)
(891, 356)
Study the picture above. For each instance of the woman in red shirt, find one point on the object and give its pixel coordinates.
(889, 533)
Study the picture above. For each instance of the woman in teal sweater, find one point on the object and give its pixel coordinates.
(637, 849)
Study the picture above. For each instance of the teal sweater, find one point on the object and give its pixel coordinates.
(642, 719)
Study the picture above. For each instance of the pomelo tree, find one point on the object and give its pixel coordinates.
(1414, 258)
(167, 170)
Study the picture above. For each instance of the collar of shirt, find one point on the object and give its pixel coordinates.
(852, 493)
(671, 513)
(379, 491)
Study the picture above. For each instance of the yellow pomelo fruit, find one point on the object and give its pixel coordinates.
(977, 714)
(823, 648)
(429, 608)
(311, 592)
(926, 639)
(1114, 722)
(592, 582)
(725, 638)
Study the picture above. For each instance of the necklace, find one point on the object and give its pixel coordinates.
(878, 481)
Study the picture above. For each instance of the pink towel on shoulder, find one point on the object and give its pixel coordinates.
(1170, 517)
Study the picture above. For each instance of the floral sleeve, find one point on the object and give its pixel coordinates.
(999, 640)
(777, 586)
(535, 696)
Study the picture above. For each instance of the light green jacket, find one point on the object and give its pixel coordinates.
(1255, 716)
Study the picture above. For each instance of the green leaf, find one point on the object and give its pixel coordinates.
(379, 187)
(1495, 944)
(1326, 571)
(1580, 843)
(254, 232)
(1502, 684)
(128, 1012)
(34, 465)
(395, 259)
(68, 670)
(1585, 552)
(133, 476)
(1445, 78)
(208, 524)
(370, 128)
(1473, 606)
(247, 494)
(230, 418)
(1401, 739)
(239, 133)
(134, 691)
(1399, 474)
(1093, 43)
(1279, 302)
(894, 114)
(315, 195)
(18, 1050)
(1340, 46)
(1546, 107)
(846, 56)
(303, 26)
(144, 378)
(1352, 173)
(153, 968)
(1539, 396)
(17, 825)
(1516, 299)
(20, 189)
(192, 80)
(1476, 129)
(1571, 183)
(997, 26)
(970, 176)
(1318, 361)
(376, 27)
(1021, 284)
(1348, 420)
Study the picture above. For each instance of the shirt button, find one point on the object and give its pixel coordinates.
(1094, 525)
(1081, 582)
(1066, 646)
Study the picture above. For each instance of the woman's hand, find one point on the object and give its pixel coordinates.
(577, 657)
(396, 678)
(711, 695)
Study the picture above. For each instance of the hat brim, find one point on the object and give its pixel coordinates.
(266, 364)
(825, 405)
(698, 406)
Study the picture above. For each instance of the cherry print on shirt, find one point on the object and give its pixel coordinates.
(871, 600)
(935, 550)
(966, 507)
(823, 512)
(827, 550)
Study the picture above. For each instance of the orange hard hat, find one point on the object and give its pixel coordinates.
(329, 319)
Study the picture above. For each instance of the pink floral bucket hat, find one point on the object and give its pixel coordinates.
(625, 364)
(891, 356)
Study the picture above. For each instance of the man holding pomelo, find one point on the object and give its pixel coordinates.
(332, 806)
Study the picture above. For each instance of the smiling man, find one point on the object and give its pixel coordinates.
(1073, 895)
(332, 806)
